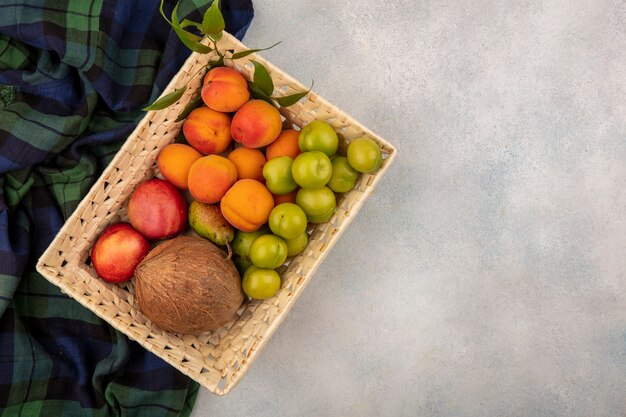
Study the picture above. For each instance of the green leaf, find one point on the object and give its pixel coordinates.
(247, 52)
(192, 105)
(163, 13)
(287, 101)
(258, 93)
(216, 37)
(262, 78)
(191, 44)
(190, 40)
(187, 22)
(167, 99)
(213, 21)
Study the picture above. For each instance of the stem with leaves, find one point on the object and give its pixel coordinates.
(212, 27)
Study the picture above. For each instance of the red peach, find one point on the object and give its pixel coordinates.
(118, 251)
(157, 209)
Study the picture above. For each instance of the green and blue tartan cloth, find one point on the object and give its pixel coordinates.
(74, 75)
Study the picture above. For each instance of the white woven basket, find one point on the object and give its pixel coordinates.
(217, 359)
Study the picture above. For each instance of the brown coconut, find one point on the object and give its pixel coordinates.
(187, 285)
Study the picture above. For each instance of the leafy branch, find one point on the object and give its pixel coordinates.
(212, 27)
(262, 88)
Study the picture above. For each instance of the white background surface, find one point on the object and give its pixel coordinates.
(486, 275)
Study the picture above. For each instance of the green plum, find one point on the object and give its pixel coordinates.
(260, 283)
(319, 204)
(287, 220)
(318, 136)
(268, 251)
(297, 244)
(312, 169)
(241, 247)
(344, 176)
(364, 155)
(278, 177)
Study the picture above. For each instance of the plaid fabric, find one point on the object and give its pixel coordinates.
(74, 75)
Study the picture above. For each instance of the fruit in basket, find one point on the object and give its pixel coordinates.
(260, 283)
(285, 145)
(319, 204)
(241, 247)
(210, 177)
(285, 198)
(207, 221)
(287, 220)
(318, 136)
(118, 251)
(256, 124)
(247, 205)
(344, 176)
(249, 163)
(268, 251)
(312, 169)
(208, 130)
(157, 210)
(224, 89)
(278, 176)
(364, 155)
(174, 162)
(297, 244)
(187, 285)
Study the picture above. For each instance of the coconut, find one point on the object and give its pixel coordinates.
(187, 285)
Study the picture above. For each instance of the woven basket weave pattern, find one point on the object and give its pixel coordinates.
(218, 359)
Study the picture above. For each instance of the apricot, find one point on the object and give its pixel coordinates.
(207, 130)
(247, 205)
(285, 145)
(210, 177)
(249, 163)
(256, 124)
(285, 198)
(174, 162)
(224, 90)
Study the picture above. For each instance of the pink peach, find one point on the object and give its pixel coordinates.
(157, 209)
(118, 251)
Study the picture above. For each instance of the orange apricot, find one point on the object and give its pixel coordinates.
(285, 198)
(225, 89)
(210, 177)
(249, 163)
(174, 162)
(207, 130)
(256, 124)
(247, 205)
(285, 145)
